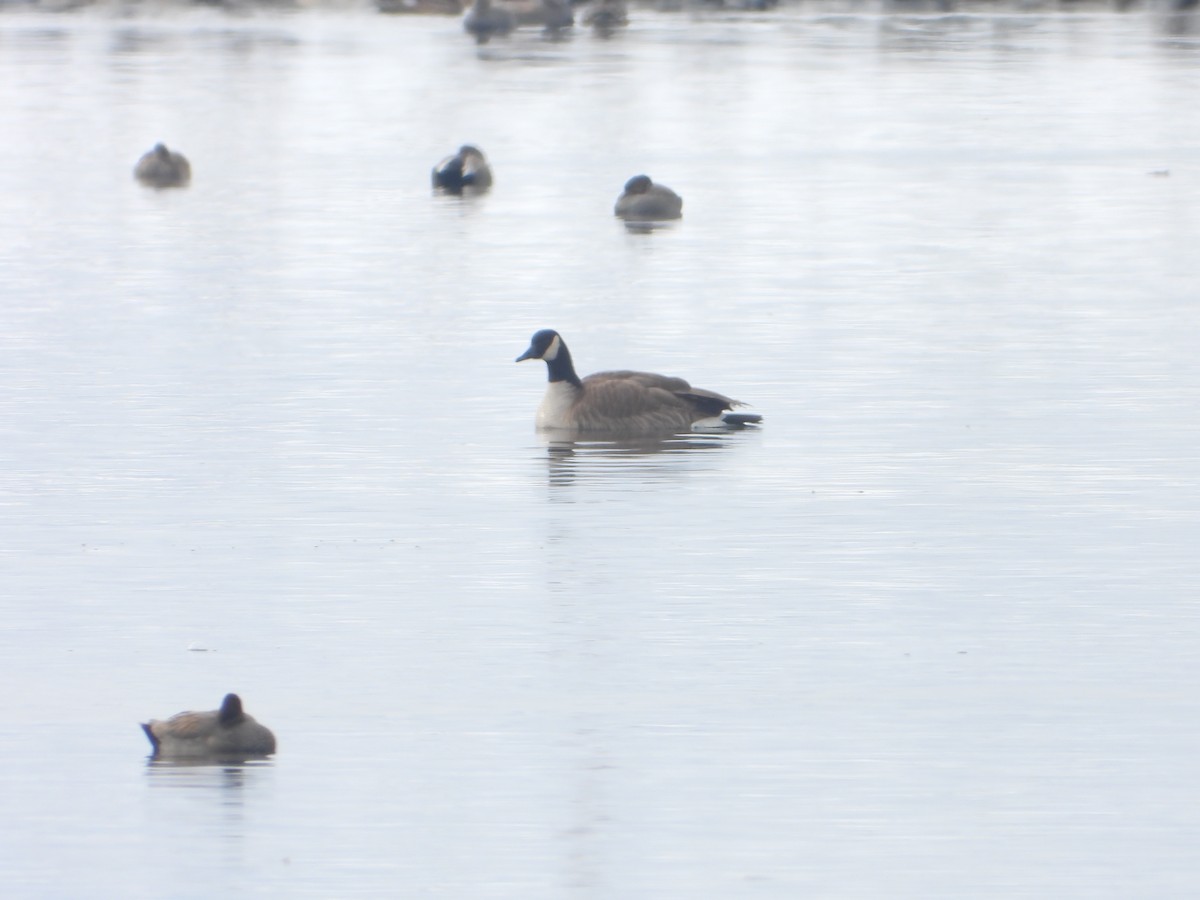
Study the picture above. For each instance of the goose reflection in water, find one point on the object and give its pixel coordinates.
(222, 791)
(205, 772)
(645, 461)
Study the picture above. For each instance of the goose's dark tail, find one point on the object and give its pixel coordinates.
(150, 734)
(741, 420)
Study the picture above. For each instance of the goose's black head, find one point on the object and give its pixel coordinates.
(548, 345)
(545, 344)
(638, 184)
(231, 710)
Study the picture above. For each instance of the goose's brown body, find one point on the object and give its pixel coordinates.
(219, 733)
(633, 403)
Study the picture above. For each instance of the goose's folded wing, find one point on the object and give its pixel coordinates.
(187, 725)
(710, 402)
(639, 379)
(612, 395)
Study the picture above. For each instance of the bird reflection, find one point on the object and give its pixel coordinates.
(648, 227)
(228, 773)
(225, 782)
(642, 459)
(195, 791)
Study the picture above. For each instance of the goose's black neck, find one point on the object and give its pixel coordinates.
(560, 368)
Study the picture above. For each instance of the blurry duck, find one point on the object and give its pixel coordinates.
(551, 15)
(624, 404)
(226, 733)
(421, 7)
(162, 168)
(605, 16)
(556, 15)
(643, 200)
(466, 169)
(484, 20)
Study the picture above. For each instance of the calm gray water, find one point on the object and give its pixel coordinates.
(932, 632)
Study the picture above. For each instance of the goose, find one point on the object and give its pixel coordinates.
(624, 404)
(465, 169)
(643, 200)
(163, 168)
(483, 20)
(226, 732)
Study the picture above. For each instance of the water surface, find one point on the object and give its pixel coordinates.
(931, 632)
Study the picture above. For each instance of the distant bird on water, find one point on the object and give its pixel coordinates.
(605, 16)
(434, 7)
(550, 14)
(465, 169)
(644, 201)
(225, 733)
(484, 21)
(162, 168)
(623, 403)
